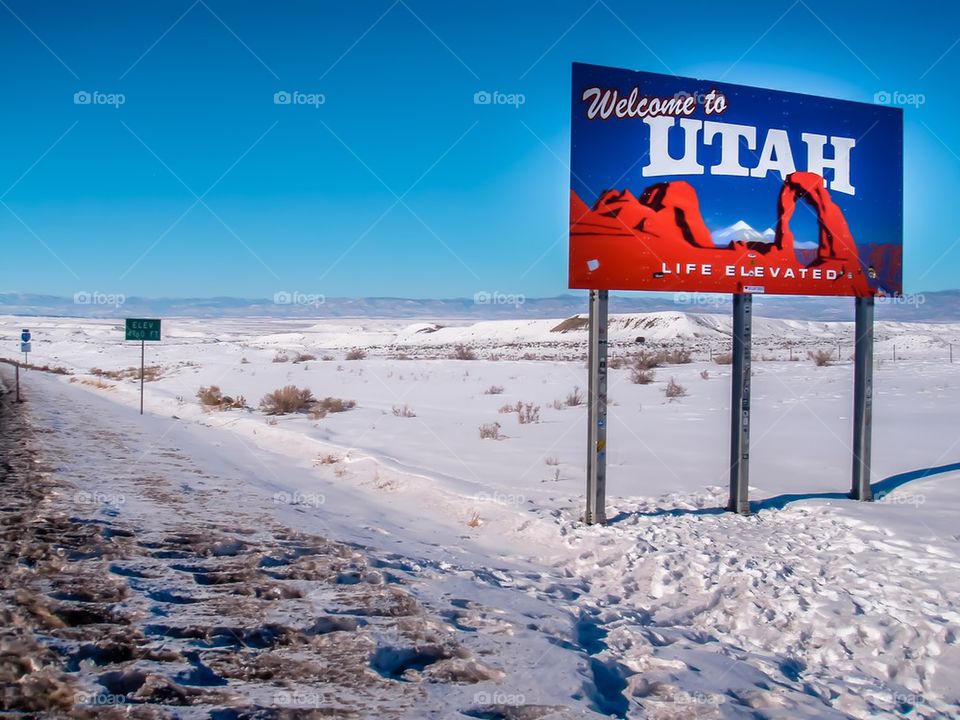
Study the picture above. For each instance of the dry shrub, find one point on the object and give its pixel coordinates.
(574, 397)
(641, 376)
(528, 413)
(475, 520)
(303, 357)
(616, 362)
(356, 354)
(320, 408)
(679, 356)
(281, 357)
(645, 360)
(552, 460)
(403, 411)
(288, 399)
(493, 390)
(150, 373)
(328, 459)
(212, 397)
(821, 358)
(490, 431)
(723, 358)
(463, 352)
(674, 389)
(327, 358)
(91, 382)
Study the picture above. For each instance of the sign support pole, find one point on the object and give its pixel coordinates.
(862, 399)
(597, 409)
(740, 405)
(142, 352)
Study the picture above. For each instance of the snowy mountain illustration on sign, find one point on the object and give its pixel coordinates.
(742, 231)
(739, 231)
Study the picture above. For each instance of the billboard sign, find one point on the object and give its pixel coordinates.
(681, 184)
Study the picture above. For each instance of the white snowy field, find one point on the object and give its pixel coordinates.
(813, 607)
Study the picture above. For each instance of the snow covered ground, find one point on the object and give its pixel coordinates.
(813, 607)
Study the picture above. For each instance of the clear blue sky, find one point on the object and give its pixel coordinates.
(398, 184)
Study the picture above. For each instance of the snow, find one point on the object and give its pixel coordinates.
(813, 607)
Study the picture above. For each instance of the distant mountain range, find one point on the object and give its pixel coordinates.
(941, 306)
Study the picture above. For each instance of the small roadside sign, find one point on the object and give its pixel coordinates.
(26, 347)
(143, 329)
(25, 335)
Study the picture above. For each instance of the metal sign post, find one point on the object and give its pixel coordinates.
(142, 355)
(597, 409)
(142, 330)
(740, 406)
(862, 399)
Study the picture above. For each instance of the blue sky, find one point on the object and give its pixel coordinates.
(199, 184)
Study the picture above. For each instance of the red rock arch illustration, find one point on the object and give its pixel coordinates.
(835, 241)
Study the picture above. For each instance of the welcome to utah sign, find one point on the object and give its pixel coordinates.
(692, 185)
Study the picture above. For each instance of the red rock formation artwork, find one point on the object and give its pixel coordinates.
(660, 242)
